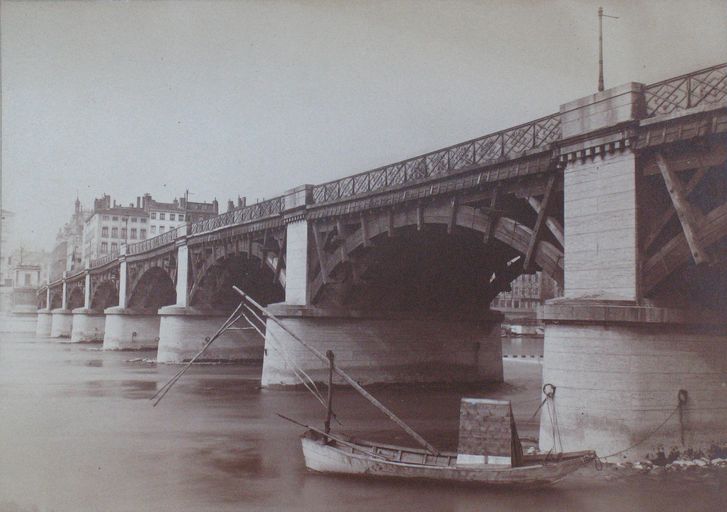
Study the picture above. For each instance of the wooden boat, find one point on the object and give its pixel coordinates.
(325, 454)
(505, 464)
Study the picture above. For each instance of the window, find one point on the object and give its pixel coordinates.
(142, 220)
(114, 247)
(133, 219)
(181, 216)
(153, 215)
(143, 234)
(114, 232)
(133, 234)
(105, 217)
(161, 215)
(115, 217)
(124, 219)
(105, 232)
(161, 229)
(153, 230)
(104, 247)
(171, 216)
(123, 233)
(27, 279)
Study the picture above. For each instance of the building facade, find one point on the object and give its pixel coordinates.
(111, 225)
(67, 254)
(167, 216)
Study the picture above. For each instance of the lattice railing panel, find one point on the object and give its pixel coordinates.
(705, 86)
(491, 148)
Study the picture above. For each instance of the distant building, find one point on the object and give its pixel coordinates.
(166, 216)
(520, 304)
(67, 254)
(110, 225)
(7, 228)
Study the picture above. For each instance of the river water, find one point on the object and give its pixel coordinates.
(78, 433)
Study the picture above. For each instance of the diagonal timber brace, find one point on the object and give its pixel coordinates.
(689, 216)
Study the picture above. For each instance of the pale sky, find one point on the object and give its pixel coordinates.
(256, 97)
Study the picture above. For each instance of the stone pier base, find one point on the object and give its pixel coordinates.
(183, 331)
(383, 348)
(88, 325)
(61, 323)
(130, 329)
(618, 369)
(45, 320)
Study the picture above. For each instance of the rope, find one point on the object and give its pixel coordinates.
(682, 397)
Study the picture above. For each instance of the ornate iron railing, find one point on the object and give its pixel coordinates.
(492, 148)
(104, 260)
(261, 210)
(152, 243)
(686, 91)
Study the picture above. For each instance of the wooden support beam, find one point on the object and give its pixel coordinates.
(553, 225)
(660, 223)
(542, 215)
(365, 231)
(390, 223)
(695, 159)
(319, 253)
(420, 217)
(342, 235)
(688, 215)
(492, 217)
(264, 249)
(452, 216)
(281, 256)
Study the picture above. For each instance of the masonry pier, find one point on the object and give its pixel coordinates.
(183, 331)
(130, 329)
(380, 348)
(88, 325)
(44, 322)
(621, 351)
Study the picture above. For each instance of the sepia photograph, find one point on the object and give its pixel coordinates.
(373, 255)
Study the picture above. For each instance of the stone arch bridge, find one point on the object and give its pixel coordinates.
(620, 196)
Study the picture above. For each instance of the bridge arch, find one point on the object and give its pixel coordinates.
(75, 298)
(152, 289)
(440, 244)
(56, 299)
(254, 272)
(105, 295)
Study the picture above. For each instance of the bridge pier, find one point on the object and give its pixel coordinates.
(183, 331)
(617, 358)
(618, 368)
(44, 322)
(61, 323)
(381, 348)
(130, 329)
(88, 325)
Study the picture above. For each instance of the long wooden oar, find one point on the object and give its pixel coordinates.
(393, 417)
(226, 325)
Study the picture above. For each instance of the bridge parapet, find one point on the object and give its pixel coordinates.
(103, 260)
(493, 148)
(258, 211)
(705, 86)
(152, 243)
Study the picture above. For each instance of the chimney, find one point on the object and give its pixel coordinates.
(230, 205)
(138, 202)
(241, 201)
(215, 206)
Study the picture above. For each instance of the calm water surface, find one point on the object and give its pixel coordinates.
(78, 433)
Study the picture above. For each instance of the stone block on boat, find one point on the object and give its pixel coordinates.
(485, 432)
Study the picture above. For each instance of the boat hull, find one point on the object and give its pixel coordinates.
(335, 459)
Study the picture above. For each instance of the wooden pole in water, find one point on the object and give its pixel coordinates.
(329, 402)
(393, 417)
